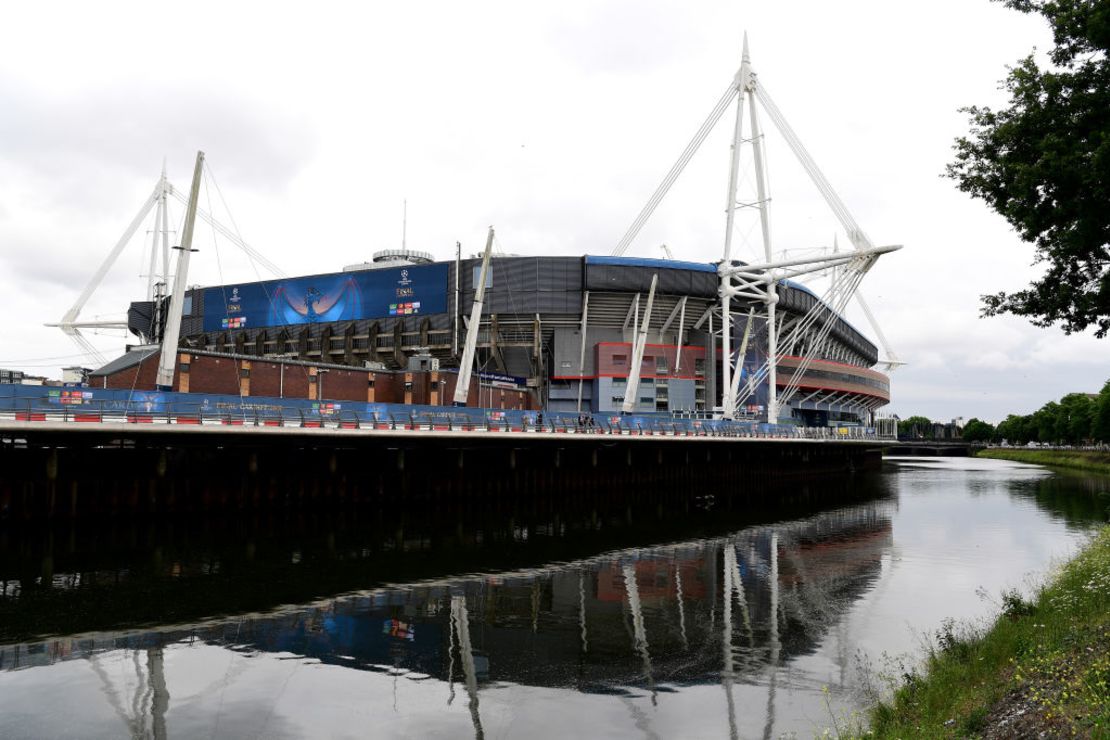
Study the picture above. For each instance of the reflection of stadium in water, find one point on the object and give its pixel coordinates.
(634, 618)
(753, 621)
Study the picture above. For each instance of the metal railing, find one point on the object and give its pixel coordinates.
(398, 418)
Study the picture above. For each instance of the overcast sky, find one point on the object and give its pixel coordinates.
(553, 122)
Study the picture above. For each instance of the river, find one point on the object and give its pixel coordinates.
(660, 616)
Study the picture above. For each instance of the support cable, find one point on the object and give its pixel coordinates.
(855, 234)
(676, 170)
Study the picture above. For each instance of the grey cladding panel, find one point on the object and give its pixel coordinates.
(526, 285)
(798, 301)
(625, 278)
(139, 317)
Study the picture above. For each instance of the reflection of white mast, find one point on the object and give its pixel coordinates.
(681, 606)
(462, 627)
(582, 609)
(741, 597)
(727, 668)
(638, 632)
(451, 658)
(150, 688)
(775, 643)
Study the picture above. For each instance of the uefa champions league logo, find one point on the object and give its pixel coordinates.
(404, 278)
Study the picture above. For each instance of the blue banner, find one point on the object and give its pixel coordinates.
(367, 294)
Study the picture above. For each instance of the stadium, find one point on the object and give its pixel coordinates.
(556, 333)
(565, 334)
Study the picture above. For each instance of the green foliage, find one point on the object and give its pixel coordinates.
(1012, 429)
(1094, 461)
(1043, 163)
(978, 431)
(1076, 420)
(1100, 418)
(915, 427)
(1014, 605)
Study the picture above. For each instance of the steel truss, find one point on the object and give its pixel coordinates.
(158, 273)
(759, 283)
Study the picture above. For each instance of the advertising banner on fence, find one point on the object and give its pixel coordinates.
(368, 294)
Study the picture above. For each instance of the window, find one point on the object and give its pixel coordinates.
(620, 359)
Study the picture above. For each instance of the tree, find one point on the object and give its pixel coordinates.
(1014, 429)
(1100, 421)
(915, 427)
(1045, 425)
(1043, 163)
(977, 431)
(1077, 409)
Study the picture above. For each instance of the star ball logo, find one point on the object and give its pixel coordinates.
(405, 289)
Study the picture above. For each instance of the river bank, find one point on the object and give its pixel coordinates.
(1094, 461)
(1043, 667)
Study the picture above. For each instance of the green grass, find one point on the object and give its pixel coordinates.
(1049, 656)
(1091, 460)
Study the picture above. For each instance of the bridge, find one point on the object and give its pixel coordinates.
(932, 448)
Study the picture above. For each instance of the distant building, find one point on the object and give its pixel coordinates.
(11, 376)
(75, 374)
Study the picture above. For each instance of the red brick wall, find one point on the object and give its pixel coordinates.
(266, 378)
(502, 398)
(388, 388)
(221, 375)
(344, 385)
(296, 382)
(213, 375)
(142, 377)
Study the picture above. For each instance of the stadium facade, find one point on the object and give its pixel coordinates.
(558, 329)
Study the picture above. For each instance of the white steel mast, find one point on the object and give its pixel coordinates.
(172, 334)
(759, 283)
(462, 387)
(632, 387)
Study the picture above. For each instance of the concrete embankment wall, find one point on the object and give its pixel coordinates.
(168, 474)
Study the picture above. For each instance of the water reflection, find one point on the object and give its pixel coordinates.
(708, 618)
(636, 622)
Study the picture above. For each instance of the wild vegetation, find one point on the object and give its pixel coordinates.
(1042, 670)
(1093, 461)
